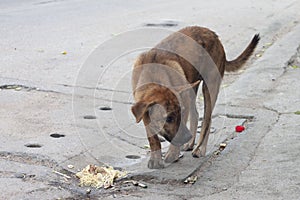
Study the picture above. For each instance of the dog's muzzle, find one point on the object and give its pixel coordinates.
(183, 136)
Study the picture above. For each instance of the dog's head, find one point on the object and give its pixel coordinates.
(162, 111)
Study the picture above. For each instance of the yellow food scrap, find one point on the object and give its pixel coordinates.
(191, 180)
(70, 166)
(223, 145)
(18, 88)
(98, 177)
(294, 66)
(297, 112)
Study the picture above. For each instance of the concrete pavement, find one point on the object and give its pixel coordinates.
(37, 83)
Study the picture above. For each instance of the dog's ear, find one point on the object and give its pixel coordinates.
(185, 87)
(139, 109)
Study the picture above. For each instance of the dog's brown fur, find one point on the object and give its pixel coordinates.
(163, 84)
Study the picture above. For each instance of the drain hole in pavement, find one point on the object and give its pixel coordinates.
(57, 135)
(105, 108)
(168, 23)
(133, 157)
(89, 117)
(33, 145)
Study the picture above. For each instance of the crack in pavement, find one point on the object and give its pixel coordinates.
(95, 88)
(269, 129)
(19, 87)
(30, 159)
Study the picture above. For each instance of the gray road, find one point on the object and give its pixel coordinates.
(63, 60)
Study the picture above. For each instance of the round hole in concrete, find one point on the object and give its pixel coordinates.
(34, 145)
(89, 117)
(57, 135)
(133, 157)
(19, 175)
(105, 108)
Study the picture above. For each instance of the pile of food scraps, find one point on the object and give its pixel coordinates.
(98, 177)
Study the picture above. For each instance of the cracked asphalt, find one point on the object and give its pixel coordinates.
(65, 103)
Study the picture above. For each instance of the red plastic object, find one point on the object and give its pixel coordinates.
(239, 128)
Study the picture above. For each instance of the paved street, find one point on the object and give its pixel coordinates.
(65, 95)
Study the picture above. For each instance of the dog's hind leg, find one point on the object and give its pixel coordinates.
(194, 117)
(210, 96)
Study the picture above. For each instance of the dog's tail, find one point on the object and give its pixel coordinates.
(237, 63)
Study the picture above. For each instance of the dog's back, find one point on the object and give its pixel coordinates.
(192, 40)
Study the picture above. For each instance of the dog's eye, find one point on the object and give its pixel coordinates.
(170, 119)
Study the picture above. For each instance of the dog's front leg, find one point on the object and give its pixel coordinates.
(155, 161)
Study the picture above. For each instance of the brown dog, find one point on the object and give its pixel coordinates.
(165, 82)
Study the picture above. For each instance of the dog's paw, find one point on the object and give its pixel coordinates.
(198, 152)
(188, 147)
(155, 163)
(172, 156)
